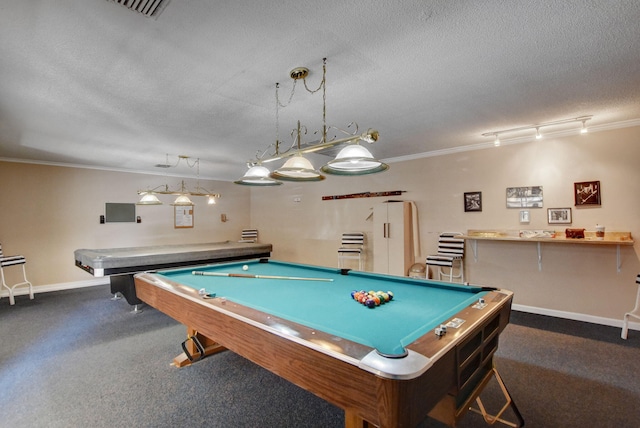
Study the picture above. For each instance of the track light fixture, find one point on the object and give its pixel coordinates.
(538, 134)
(537, 127)
(351, 160)
(584, 129)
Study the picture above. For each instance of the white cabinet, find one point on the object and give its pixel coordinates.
(392, 238)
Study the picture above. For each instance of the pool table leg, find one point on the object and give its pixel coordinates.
(352, 420)
(210, 347)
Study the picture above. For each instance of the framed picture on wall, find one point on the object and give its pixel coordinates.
(559, 215)
(472, 201)
(183, 217)
(524, 197)
(587, 193)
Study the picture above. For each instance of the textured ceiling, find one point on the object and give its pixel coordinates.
(91, 83)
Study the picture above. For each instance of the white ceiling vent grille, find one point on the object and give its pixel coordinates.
(145, 7)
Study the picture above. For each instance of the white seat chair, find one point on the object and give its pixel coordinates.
(14, 261)
(450, 256)
(351, 248)
(249, 235)
(635, 312)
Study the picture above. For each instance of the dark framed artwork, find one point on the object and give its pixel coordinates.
(559, 215)
(472, 201)
(587, 193)
(524, 197)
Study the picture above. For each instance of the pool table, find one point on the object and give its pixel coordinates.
(122, 263)
(383, 365)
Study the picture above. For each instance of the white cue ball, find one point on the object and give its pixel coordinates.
(245, 267)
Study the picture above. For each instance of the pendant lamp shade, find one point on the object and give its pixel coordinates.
(297, 168)
(149, 198)
(354, 160)
(182, 200)
(257, 176)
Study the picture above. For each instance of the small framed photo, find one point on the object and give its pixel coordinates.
(587, 193)
(472, 201)
(559, 215)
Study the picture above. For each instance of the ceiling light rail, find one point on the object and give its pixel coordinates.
(149, 196)
(353, 159)
(537, 128)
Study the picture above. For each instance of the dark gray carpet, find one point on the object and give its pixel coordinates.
(75, 358)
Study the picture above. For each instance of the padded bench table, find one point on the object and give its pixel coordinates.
(122, 263)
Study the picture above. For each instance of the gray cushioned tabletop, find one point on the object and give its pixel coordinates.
(110, 258)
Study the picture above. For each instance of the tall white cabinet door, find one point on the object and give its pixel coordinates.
(392, 239)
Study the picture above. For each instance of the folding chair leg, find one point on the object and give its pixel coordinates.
(625, 326)
(12, 299)
(492, 419)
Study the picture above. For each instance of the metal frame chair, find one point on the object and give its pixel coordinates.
(450, 253)
(351, 248)
(9, 261)
(634, 313)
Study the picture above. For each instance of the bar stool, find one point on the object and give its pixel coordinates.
(450, 254)
(635, 312)
(352, 248)
(9, 261)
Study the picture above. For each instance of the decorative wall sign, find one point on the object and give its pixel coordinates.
(587, 193)
(524, 197)
(559, 215)
(472, 201)
(183, 217)
(364, 195)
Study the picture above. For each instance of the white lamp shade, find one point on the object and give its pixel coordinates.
(149, 199)
(257, 176)
(297, 168)
(354, 160)
(182, 200)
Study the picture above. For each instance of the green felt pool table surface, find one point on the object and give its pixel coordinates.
(384, 365)
(324, 301)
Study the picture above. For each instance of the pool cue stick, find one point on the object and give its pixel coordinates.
(245, 275)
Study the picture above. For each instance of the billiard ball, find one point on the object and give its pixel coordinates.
(245, 267)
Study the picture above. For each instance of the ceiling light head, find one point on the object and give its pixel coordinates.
(354, 160)
(538, 134)
(584, 128)
(257, 175)
(148, 198)
(182, 201)
(297, 168)
(496, 142)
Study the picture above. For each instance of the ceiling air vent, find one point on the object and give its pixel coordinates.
(145, 7)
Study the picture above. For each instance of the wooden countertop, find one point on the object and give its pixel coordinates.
(610, 238)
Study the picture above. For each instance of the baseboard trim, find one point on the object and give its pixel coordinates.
(21, 291)
(575, 316)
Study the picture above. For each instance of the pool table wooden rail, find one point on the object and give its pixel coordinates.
(365, 397)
